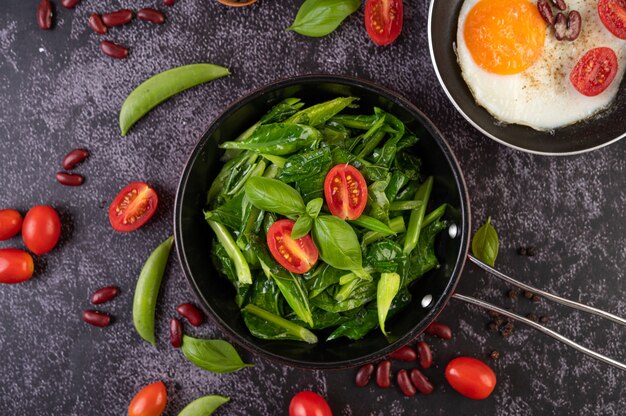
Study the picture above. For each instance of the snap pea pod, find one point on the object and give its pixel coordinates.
(147, 290)
(417, 216)
(160, 87)
(204, 406)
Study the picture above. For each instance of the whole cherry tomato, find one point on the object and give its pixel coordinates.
(10, 223)
(297, 256)
(41, 229)
(308, 403)
(133, 207)
(345, 190)
(471, 377)
(15, 265)
(150, 401)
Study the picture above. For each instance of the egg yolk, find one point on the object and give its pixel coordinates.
(504, 36)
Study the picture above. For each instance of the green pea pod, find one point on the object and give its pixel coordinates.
(204, 406)
(147, 290)
(162, 86)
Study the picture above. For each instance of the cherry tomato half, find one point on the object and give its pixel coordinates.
(297, 256)
(15, 265)
(471, 377)
(133, 207)
(346, 192)
(150, 401)
(595, 71)
(308, 403)
(10, 223)
(613, 15)
(41, 229)
(383, 20)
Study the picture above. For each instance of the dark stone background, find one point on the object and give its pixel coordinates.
(59, 92)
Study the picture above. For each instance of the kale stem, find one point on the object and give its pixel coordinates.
(417, 216)
(289, 326)
(241, 265)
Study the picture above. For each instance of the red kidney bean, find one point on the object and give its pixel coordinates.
(421, 382)
(70, 179)
(364, 374)
(96, 24)
(440, 330)
(169, 2)
(405, 353)
(114, 50)
(151, 15)
(74, 158)
(191, 313)
(69, 4)
(118, 17)
(97, 318)
(383, 374)
(425, 354)
(104, 295)
(405, 383)
(44, 14)
(176, 333)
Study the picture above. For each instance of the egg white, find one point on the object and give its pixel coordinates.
(542, 96)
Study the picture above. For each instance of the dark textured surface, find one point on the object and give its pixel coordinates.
(59, 92)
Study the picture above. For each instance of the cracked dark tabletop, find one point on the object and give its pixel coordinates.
(59, 92)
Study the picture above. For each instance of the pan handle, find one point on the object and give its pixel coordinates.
(540, 328)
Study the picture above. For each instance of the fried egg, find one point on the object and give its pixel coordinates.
(517, 69)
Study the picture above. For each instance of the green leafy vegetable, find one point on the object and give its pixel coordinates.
(274, 196)
(320, 113)
(277, 139)
(240, 262)
(318, 18)
(388, 286)
(485, 243)
(417, 216)
(295, 330)
(302, 166)
(213, 355)
(204, 406)
(373, 224)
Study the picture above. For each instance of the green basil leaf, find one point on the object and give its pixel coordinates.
(318, 18)
(314, 206)
(213, 355)
(485, 243)
(274, 196)
(302, 227)
(337, 243)
(204, 406)
(388, 286)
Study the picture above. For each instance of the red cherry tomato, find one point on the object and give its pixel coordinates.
(297, 256)
(346, 192)
(150, 401)
(10, 223)
(613, 15)
(133, 207)
(594, 72)
(471, 377)
(383, 20)
(308, 403)
(15, 265)
(41, 229)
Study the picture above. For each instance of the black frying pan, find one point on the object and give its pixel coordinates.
(600, 131)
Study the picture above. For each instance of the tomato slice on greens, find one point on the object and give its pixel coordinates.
(297, 256)
(613, 16)
(133, 207)
(345, 190)
(595, 71)
(383, 20)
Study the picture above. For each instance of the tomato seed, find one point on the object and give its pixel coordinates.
(383, 374)
(44, 14)
(191, 313)
(405, 353)
(440, 330)
(425, 354)
(96, 24)
(69, 4)
(420, 382)
(75, 157)
(176, 333)
(405, 383)
(70, 179)
(97, 318)
(151, 15)
(113, 50)
(118, 17)
(104, 295)
(169, 2)
(364, 374)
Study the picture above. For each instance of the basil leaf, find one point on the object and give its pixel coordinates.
(204, 406)
(274, 196)
(302, 227)
(318, 18)
(337, 243)
(388, 286)
(314, 206)
(485, 243)
(213, 355)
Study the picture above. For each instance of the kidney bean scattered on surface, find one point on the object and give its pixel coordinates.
(176, 333)
(383, 374)
(74, 158)
(405, 383)
(97, 318)
(113, 50)
(169, 2)
(420, 382)
(191, 313)
(439, 330)
(405, 353)
(70, 179)
(425, 354)
(118, 17)
(69, 4)
(44, 14)
(364, 374)
(105, 294)
(151, 15)
(96, 24)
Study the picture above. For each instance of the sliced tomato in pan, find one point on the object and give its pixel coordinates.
(595, 71)
(613, 16)
(345, 190)
(297, 256)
